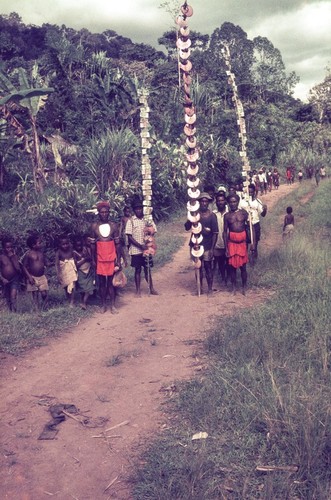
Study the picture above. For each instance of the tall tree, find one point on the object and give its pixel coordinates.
(268, 71)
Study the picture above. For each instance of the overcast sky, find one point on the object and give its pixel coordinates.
(300, 29)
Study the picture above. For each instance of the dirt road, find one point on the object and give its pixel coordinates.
(116, 369)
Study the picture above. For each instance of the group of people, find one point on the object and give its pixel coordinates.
(87, 263)
(230, 233)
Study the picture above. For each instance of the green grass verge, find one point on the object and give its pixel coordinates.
(26, 329)
(265, 399)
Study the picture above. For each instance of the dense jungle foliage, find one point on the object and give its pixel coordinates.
(69, 132)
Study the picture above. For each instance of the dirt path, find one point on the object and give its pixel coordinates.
(154, 338)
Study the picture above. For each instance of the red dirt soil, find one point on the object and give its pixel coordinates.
(154, 338)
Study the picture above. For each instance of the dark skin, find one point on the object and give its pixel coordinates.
(253, 249)
(10, 270)
(34, 263)
(106, 282)
(139, 213)
(205, 214)
(221, 261)
(82, 256)
(235, 221)
(124, 220)
(65, 252)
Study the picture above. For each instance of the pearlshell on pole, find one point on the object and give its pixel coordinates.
(192, 170)
(184, 54)
(197, 252)
(197, 229)
(192, 157)
(184, 31)
(191, 119)
(183, 44)
(193, 194)
(189, 130)
(193, 184)
(193, 207)
(186, 67)
(193, 218)
(196, 240)
(186, 10)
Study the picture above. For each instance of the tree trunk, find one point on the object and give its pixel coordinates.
(37, 166)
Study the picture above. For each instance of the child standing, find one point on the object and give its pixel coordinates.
(288, 226)
(66, 267)
(136, 232)
(34, 264)
(123, 237)
(10, 273)
(83, 260)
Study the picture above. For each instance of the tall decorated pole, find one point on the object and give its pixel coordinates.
(146, 172)
(192, 153)
(241, 125)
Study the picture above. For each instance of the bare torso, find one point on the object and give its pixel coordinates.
(34, 262)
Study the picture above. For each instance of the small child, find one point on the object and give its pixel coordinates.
(66, 267)
(140, 239)
(34, 264)
(86, 279)
(10, 273)
(123, 237)
(288, 226)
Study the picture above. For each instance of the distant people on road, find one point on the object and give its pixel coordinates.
(323, 173)
(317, 176)
(300, 175)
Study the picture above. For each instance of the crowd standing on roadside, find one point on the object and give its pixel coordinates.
(87, 263)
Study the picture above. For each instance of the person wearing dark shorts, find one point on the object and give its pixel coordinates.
(135, 230)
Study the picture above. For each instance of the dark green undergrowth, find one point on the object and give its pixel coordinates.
(27, 329)
(265, 399)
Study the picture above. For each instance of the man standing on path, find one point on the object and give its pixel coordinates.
(255, 208)
(235, 240)
(106, 252)
(209, 234)
(220, 260)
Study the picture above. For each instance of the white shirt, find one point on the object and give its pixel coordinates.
(220, 222)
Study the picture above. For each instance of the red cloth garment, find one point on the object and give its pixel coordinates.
(237, 248)
(106, 256)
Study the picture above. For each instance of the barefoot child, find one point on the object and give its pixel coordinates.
(66, 267)
(34, 264)
(83, 260)
(10, 273)
(288, 226)
(136, 233)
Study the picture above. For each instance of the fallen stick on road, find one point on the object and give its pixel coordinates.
(125, 422)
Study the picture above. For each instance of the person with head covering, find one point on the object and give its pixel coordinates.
(209, 234)
(137, 231)
(106, 253)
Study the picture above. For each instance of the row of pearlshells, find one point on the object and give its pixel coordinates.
(192, 155)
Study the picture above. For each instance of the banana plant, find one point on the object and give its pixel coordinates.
(25, 96)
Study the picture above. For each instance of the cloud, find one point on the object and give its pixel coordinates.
(300, 29)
